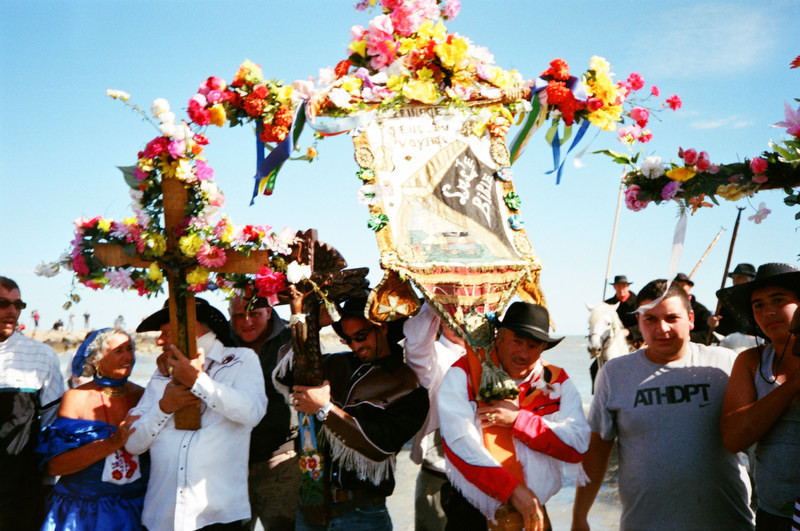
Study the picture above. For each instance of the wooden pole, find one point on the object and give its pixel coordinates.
(727, 267)
(710, 246)
(613, 235)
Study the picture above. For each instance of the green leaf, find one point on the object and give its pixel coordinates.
(127, 174)
(551, 133)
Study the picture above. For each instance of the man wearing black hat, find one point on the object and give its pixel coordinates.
(199, 478)
(626, 309)
(725, 322)
(703, 319)
(517, 452)
(370, 405)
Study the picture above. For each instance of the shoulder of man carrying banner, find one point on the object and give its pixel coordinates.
(403, 58)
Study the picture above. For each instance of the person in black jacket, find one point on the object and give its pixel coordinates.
(274, 478)
(626, 309)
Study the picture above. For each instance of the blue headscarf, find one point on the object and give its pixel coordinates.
(80, 360)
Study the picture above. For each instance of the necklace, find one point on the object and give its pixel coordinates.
(114, 392)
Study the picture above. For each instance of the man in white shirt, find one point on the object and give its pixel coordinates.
(199, 478)
(31, 386)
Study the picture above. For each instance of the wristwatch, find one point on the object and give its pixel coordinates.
(322, 413)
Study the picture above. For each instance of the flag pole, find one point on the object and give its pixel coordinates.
(727, 267)
(614, 234)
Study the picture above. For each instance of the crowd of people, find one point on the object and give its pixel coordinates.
(108, 454)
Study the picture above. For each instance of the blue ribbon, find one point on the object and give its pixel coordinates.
(556, 145)
(268, 167)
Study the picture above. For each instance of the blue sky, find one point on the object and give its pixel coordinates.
(61, 137)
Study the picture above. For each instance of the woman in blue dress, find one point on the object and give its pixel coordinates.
(101, 485)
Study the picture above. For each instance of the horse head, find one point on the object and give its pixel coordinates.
(605, 331)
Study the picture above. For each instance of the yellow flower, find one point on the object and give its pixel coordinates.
(428, 31)
(154, 273)
(197, 276)
(599, 65)
(425, 74)
(249, 71)
(157, 244)
(104, 224)
(217, 115)
(190, 244)
(421, 91)
(407, 45)
(681, 174)
(285, 94)
(146, 165)
(311, 152)
(178, 169)
(395, 83)
(351, 84)
(359, 47)
(129, 221)
(452, 54)
(731, 192)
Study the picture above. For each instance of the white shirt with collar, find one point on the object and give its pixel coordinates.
(199, 478)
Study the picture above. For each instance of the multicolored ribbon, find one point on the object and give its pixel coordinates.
(533, 121)
(268, 168)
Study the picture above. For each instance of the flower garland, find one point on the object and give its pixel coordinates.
(204, 235)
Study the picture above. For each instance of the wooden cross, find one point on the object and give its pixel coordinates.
(174, 264)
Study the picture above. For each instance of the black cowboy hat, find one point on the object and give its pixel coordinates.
(355, 307)
(529, 320)
(737, 298)
(743, 269)
(620, 279)
(206, 314)
(681, 277)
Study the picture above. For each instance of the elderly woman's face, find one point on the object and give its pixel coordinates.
(117, 360)
(773, 308)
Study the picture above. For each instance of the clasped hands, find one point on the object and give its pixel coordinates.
(184, 372)
(502, 413)
(308, 400)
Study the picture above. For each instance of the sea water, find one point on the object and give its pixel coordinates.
(570, 354)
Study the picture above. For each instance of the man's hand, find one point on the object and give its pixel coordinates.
(308, 400)
(176, 396)
(525, 501)
(182, 369)
(501, 413)
(713, 321)
(161, 363)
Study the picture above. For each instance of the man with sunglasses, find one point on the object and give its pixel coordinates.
(370, 405)
(31, 386)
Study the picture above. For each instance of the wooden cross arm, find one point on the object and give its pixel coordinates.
(111, 255)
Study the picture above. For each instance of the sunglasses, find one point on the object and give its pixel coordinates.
(18, 304)
(359, 337)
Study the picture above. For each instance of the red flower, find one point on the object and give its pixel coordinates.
(342, 67)
(654, 91)
(269, 283)
(690, 156)
(156, 146)
(283, 117)
(640, 115)
(758, 165)
(594, 104)
(201, 139)
(141, 288)
(674, 102)
(198, 113)
(252, 233)
(635, 81)
(795, 63)
(559, 70)
(116, 474)
(261, 91)
(253, 104)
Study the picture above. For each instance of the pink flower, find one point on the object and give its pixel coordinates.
(635, 81)
(645, 136)
(792, 121)
(654, 91)
(640, 115)
(140, 174)
(760, 179)
(211, 256)
(632, 198)
(689, 156)
(177, 148)
(203, 171)
(670, 190)
(269, 283)
(758, 165)
(629, 134)
(451, 9)
(215, 96)
(761, 214)
(714, 169)
(79, 265)
(674, 102)
(357, 32)
(703, 163)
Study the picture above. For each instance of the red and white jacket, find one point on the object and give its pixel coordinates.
(550, 436)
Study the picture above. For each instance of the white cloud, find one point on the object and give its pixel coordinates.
(710, 39)
(729, 122)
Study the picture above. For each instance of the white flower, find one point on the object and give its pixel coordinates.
(46, 269)
(380, 78)
(480, 53)
(340, 98)
(120, 278)
(167, 129)
(296, 272)
(395, 69)
(652, 167)
(118, 94)
(327, 76)
(159, 106)
(367, 195)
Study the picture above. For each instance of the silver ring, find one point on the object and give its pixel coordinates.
(492, 417)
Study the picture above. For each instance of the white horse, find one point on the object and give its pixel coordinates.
(606, 339)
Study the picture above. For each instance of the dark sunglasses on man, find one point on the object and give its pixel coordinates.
(358, 337)
(18, 304)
